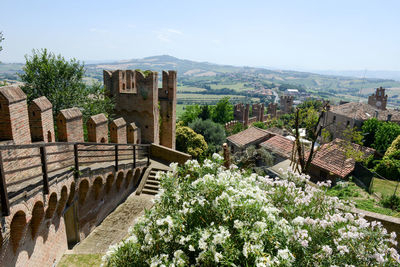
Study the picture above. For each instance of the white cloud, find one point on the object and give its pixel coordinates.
(167, 35)
(175, 31)
(98, 30)
(163, 37)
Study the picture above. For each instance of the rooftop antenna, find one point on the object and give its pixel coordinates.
(362, 85)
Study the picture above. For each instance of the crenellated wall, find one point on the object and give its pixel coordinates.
(39, 221)
(140, 101)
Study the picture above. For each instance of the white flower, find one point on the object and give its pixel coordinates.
(216, 156)
(327, 249)
(217, 256)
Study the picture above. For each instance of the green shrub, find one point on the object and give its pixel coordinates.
(391, 202)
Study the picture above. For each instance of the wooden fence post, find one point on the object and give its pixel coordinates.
(43, 158)
(134, 156)
(148, 155)
(76, 172)
(116, 158)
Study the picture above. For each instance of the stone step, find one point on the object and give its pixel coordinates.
(151, 187)
(153, 182)
(149, 191)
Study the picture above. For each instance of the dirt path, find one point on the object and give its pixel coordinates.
(115, 226)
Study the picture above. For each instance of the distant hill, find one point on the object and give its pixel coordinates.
(188, 69)
(192, 70)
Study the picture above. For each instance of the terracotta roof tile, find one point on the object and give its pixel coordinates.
(249, 136)
(279, 145)
(363, 111)
(331, 157)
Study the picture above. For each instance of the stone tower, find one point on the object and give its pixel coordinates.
(241, 113)
(379, 99)
(272, 109)
(286, 104)
(167, 98)
(136, 96)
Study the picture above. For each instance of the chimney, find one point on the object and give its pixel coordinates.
(389, 117)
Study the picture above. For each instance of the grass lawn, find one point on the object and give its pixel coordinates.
(361, 198)
(78, 260)
(180, 108)
(384, 187)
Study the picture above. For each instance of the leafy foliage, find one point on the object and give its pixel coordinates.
(189, 141)
(191, 113)
(205, 113)
(387, 132)
(212, 216)
(391, 202)
(260, 124)
(61, 81)
(389, 166)
(369, 128)
(46, 74)
(223, 111)
(214, 133)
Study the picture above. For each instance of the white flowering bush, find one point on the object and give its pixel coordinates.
(209, 215)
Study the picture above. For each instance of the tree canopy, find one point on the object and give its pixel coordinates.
(191, 112)
(387, 132)
(189, 141)
(223, 111)
(214, 133)
(61, 81)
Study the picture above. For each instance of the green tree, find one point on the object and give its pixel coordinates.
(205, 113)
(394, 147)
(223, 111)
(191, 113)
(96, 102)
(189, 141)
(387, 132)
(61, 81)
(369, 128)
(214, 133)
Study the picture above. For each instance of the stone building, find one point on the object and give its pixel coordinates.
(330, 162)
(379, 99)
(139, 100)
(352, 114)
(252, 136)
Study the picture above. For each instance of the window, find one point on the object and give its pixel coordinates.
(334, 118)
(348, 123)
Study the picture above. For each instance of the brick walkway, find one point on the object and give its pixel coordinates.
(115, 226)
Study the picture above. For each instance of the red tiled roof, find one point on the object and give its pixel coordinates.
(363, 111)
(279, 145)
(331, 157)
(249, 136)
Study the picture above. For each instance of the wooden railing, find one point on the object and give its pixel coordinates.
(114, 153)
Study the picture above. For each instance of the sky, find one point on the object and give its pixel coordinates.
(296, 34)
